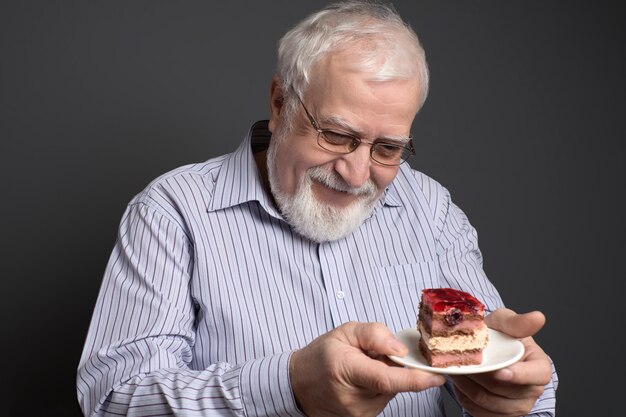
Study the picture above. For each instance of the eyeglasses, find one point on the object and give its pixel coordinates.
(383, 152)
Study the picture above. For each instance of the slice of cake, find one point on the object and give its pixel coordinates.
(452, 328)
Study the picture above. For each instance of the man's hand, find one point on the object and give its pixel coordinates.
(511, 391)
(345, 373)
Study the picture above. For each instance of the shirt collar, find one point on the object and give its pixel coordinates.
(238, 180)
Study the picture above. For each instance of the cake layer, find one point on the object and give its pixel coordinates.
(442, 300)
(477, 340)
(443, 360)
(440, 324)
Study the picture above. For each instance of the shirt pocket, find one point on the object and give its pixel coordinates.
(400, 288)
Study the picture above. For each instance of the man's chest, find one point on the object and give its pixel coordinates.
(261, 289)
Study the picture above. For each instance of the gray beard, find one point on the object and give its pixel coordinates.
(311, 218)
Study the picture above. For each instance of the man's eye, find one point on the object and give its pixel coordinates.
(338, 138)
(388, 149)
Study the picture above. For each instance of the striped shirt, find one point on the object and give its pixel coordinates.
(208, 291)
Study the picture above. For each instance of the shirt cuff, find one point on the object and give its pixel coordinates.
(266, 387)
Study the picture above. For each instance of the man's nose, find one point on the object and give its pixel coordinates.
(354, 167)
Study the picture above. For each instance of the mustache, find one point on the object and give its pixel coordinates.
(334, 181)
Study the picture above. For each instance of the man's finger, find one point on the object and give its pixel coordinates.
(516, 325)
(478, 401)
(380, 378)
(534, 369)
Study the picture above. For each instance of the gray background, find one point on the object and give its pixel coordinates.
(523, 125)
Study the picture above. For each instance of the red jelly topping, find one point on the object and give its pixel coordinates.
(449, 300)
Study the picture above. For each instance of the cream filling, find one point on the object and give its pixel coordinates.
(478, 340)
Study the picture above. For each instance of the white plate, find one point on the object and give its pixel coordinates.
(500, 352)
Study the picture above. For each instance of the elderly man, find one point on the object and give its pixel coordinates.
(270, 281)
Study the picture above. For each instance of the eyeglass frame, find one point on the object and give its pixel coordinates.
(320, 132)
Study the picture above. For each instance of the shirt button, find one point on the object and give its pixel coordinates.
(340, 295)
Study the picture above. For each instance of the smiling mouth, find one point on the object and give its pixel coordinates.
(330, 196)
(330, 187)
(334, 182)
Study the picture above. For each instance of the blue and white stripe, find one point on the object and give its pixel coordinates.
(208, 291)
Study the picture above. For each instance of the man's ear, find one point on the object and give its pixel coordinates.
(277, 99)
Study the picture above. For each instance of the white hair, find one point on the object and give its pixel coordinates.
(388, 48)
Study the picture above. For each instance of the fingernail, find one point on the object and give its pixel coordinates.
(437, 380)
(504, 375)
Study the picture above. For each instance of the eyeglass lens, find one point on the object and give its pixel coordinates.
(382, 152)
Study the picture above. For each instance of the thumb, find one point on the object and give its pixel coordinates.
(515, 325)
(372, 337)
